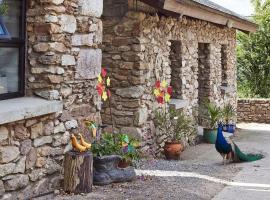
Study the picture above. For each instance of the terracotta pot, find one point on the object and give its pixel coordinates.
(124, 164)
(172, 150)
(210, 135)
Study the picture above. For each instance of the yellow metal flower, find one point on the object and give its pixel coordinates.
(163, 84)
(167, 98)
(104, 96)
(108, 81)
(156, 92)
(100, 78)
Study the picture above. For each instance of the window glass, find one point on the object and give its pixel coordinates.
(9, 74)
(12, 19)
(12, 49)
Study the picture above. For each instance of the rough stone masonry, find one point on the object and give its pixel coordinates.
(139, 48)
(63, 60)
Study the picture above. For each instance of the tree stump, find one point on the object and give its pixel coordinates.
(78, 172)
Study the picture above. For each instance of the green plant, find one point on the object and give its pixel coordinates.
(212, 114)
(175, 124)
(105, 146)
(128, 148)
(3, 8)
(228, 113)
(116, 144)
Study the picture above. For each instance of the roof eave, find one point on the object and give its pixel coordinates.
(205, 13)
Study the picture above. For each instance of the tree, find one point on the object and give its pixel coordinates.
(253, 54)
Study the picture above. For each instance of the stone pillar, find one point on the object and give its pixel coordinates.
(64, 55)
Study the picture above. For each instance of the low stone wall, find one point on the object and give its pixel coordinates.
(253, 110)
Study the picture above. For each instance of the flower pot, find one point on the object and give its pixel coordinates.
(172, 150)
(231, 128)
(106, 171)
(210, 135)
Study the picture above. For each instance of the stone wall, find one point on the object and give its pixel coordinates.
(137, 51)
(253, 110)
(63, 61)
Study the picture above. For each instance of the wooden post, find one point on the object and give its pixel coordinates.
(78, 172)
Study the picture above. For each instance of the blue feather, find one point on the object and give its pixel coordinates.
(222, 146)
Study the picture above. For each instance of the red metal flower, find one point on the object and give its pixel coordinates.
(103, 72)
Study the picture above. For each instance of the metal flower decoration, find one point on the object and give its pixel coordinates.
(103, 83)
(162, 92)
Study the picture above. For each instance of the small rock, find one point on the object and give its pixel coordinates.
(30, 122)
(31, 158)
(37, 174)
(20, 166)
(16, 182)
(41, 161)
(6, 169)
(36, 130)
(71, 124)
(60, 128)
(8, 154)
(42, 140)
(21, 132)
(25, 146)
(3, 133)
(61, 139)
(48, 128)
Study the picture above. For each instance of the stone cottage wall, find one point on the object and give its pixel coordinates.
(138, 51)
(63, 61)
(253, 110)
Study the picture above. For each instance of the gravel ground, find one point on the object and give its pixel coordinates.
(174, 180)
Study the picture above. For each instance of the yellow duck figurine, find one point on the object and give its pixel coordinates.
(76, 145)
(83, 143)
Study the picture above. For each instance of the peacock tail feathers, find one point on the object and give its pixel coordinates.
(242, 157)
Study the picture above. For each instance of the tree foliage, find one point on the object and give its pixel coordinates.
(253, 55)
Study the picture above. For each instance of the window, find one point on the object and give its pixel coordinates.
(176, 68)
(224, 67)
(12, 50)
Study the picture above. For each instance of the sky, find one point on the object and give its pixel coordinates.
(242, 7)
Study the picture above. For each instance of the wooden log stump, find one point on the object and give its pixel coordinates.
(78, 172)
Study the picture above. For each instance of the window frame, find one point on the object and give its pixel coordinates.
(20, 44)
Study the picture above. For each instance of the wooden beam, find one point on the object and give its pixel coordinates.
(205, 13)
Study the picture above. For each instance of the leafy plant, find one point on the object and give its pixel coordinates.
(175, 124)
(128, 149)
(116, 144)
(212, 114)
(3, 8)
(228, 113)
(105, 146)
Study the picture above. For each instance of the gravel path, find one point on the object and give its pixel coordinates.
(200, 175)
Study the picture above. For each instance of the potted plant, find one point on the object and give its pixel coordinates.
(212, 114)
(178, 127)
(128, 150)
(109, 151)
(228, 114)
